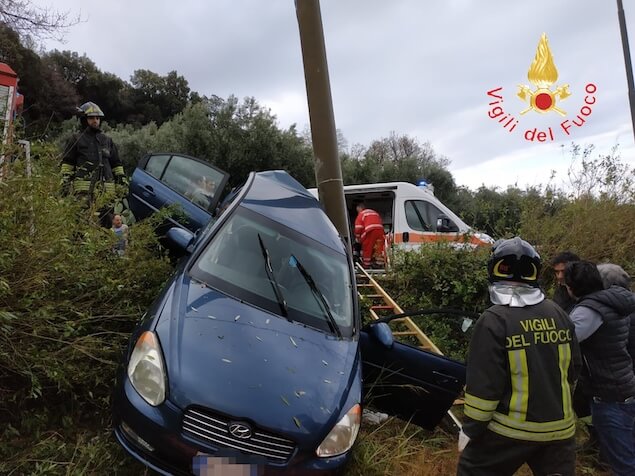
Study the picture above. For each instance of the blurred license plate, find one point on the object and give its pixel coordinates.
(227, 464)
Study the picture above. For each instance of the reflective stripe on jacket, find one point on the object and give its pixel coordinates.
(366, 221)
(522, 366)
(90, 157)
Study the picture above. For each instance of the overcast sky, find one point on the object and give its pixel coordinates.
(421, 68)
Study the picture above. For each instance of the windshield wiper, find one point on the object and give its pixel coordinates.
(319, 297)
(272, 279)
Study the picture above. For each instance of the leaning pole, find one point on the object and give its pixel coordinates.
(627, 62)
(328, 170)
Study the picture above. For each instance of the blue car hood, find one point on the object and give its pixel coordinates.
(252, 365)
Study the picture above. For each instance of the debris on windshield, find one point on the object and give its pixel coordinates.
(193, 309)
(327, 381)
(267, 321)
(325, 410)
(293, 342)
(325, 362)
(227, 361)
(296, 420)
(211, 317)
(237, 317)
(286, 402)
(221, 337)
(299, 393)
(259, 338)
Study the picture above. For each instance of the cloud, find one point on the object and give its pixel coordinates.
(419, 68)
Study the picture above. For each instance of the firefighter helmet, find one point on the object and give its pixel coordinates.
(514, 260)
(90, 109)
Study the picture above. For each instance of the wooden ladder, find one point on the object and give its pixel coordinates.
(382, 305)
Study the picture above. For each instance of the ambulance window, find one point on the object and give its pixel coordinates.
(416, 215)
(422, 215)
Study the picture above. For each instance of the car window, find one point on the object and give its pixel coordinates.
(192, 179)
(156, 165)
(233, 263)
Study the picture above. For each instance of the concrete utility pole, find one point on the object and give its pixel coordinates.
(328, 170)
(627, 62)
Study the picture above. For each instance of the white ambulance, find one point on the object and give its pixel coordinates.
(411, 214)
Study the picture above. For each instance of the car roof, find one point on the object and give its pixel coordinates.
(279, 197)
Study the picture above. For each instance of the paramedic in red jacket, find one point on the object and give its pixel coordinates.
(369, 231)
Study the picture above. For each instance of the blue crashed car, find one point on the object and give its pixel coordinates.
(254, 354)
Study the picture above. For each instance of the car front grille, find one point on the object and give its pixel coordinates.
(214, 428)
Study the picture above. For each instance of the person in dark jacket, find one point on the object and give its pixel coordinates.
(602, 319)
(522, 365)
(90, 162)
(614, 275)
(560, 295)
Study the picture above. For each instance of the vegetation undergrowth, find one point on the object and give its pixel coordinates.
(67, 306)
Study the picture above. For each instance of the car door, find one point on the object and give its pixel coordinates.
(165, 179)
(407, 382)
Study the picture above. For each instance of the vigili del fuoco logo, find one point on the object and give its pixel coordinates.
(545, 98)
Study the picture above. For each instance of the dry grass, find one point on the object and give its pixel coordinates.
(395, 448)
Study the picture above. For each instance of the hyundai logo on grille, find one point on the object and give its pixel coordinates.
(239, 430)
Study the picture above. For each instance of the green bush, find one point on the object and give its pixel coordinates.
(441, 276)
(67, 306)
(597, 229)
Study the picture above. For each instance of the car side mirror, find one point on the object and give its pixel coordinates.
(382, 333)
(445, 225)
(181, 239)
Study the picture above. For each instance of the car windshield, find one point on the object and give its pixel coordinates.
(235, 263)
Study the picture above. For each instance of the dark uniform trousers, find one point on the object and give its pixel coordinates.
(506, 456)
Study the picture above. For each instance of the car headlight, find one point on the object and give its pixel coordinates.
(341, 438)
(146, 370)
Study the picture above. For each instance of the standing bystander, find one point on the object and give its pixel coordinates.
(602, 319)
(560, 295)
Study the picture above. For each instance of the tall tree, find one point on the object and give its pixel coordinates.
(398, 158)
(30, 20)
(157, 98)
(237, 137)
(91, 84)
(59, 95)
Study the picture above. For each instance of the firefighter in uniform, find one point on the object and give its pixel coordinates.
(522, 365)
(91, 163)
(369, 232)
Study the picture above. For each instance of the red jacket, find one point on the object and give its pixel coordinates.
(366, 221)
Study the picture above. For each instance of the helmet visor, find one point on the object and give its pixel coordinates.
(512, 268)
